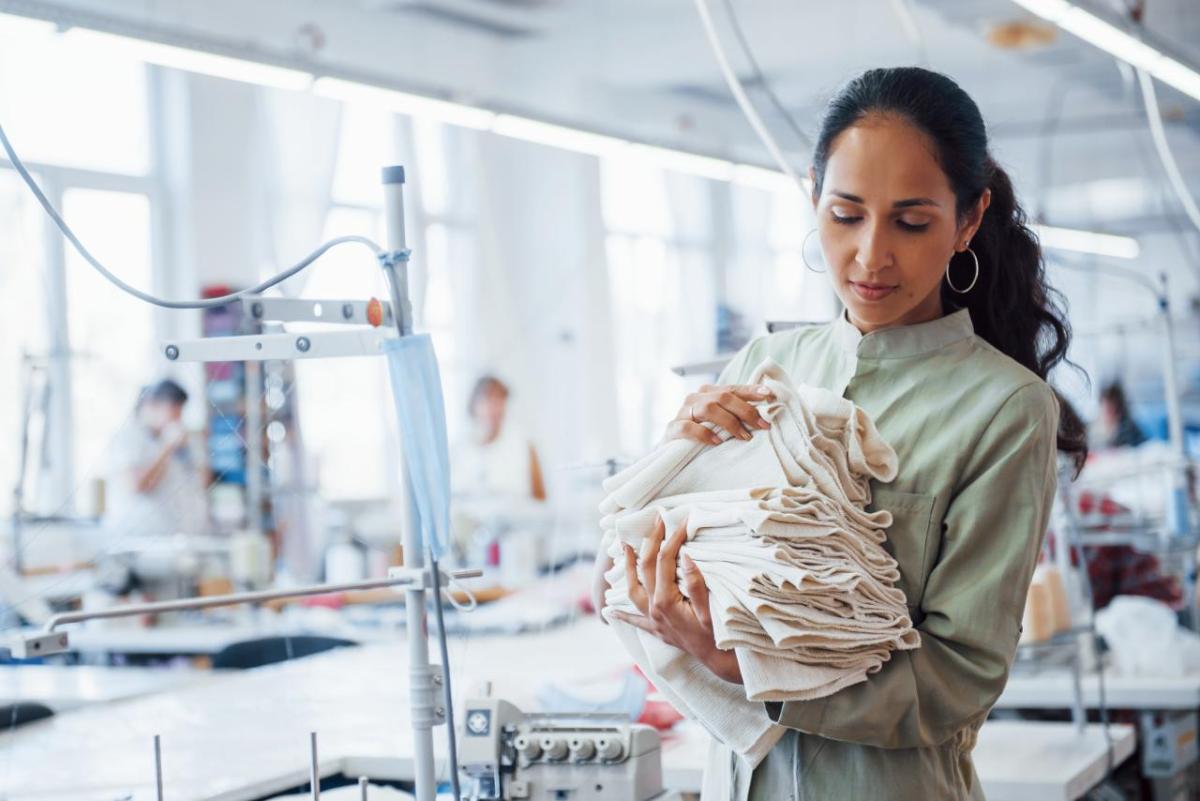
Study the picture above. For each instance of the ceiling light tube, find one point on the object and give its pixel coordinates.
(25, 26)
(1117, 42)
(559, 136)
(679, 161)
(1120, 247)
(405, 103)
(184, 58)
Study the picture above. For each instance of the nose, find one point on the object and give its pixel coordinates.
(874, 248)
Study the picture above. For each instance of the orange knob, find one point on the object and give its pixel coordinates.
(375, 312)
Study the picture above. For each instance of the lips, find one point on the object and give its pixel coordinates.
(872, 291)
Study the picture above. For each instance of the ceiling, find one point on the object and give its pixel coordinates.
(1063, 116)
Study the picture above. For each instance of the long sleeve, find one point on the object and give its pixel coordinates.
(970, 612)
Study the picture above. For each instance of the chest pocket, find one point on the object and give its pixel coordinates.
(908, 538)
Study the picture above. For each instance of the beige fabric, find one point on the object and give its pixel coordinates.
(800, 586)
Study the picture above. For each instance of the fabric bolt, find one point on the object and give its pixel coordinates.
(800, 587)
(974, 432)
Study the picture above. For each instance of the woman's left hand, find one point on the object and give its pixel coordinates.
(683, 622)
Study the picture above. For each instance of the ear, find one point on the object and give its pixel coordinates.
(812, 181)
(970, 225)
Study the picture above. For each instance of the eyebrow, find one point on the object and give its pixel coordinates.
(899, 204)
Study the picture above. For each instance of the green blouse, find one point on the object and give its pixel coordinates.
(975, 433)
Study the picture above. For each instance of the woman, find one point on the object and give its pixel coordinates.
(497, 459)
(1116, 427)
(948, 334)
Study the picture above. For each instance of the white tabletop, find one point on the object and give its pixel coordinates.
(244, 735)
(66, 687)
(1053, 689)
(1042, 761)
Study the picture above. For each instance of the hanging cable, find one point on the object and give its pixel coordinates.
(206, 303)
(760, 77)
(1154, 117)
(739, 94)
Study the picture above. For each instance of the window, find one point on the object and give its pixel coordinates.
(72, 106)
(89, 341)
(22, 327)
(355, 460)
(110, 333)
(349, 446)
(767, 279)
(663, 291)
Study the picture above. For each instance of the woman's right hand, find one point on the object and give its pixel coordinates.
(730, 407)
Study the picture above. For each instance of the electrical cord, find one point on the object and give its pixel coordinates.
(1154, 118)
(760, 77)
(206, 303)
(739, 94)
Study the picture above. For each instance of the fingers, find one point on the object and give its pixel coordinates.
(650, 558)
(713, 411)
(686, 429)
(637, 621)
(751, 392)
(667, 585)
(729, 407)
(697, 590)
(740, 400)
(637, 594)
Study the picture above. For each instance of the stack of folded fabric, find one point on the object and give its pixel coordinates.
(800, 586)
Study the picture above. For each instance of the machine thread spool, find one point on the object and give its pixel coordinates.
(554, 748)
(582, 749)
(608, 750)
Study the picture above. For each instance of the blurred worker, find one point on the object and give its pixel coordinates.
(1116, 427)
(154, 486)
(498, 512)
(496, 458)
(1114, 569)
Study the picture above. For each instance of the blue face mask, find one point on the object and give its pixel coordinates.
(421, 413)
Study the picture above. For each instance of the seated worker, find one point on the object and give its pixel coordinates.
(1115, 426)
(154, 486)
(1116, 569)
(496, 479)
(496, 458)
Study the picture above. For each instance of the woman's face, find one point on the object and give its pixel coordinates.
(887, 223)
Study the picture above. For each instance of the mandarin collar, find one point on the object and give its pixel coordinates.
(903, 340)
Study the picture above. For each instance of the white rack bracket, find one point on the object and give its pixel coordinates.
(257, 309)
(269, 347)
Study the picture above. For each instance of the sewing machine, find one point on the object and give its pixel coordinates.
(507, 754)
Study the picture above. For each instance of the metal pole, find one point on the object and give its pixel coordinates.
(314, 773)
(239, 598)
(158, 783)
(254, 446)
(1178, 511)
(421, 685)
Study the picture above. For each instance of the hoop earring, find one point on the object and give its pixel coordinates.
(803, 258)
(950, 283)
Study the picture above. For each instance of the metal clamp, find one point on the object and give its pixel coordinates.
(390, 258)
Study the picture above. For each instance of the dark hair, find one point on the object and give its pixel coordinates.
(1114, 393)
(1011, 305)
(486, 383)
(166, 391)
(1070, 424)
